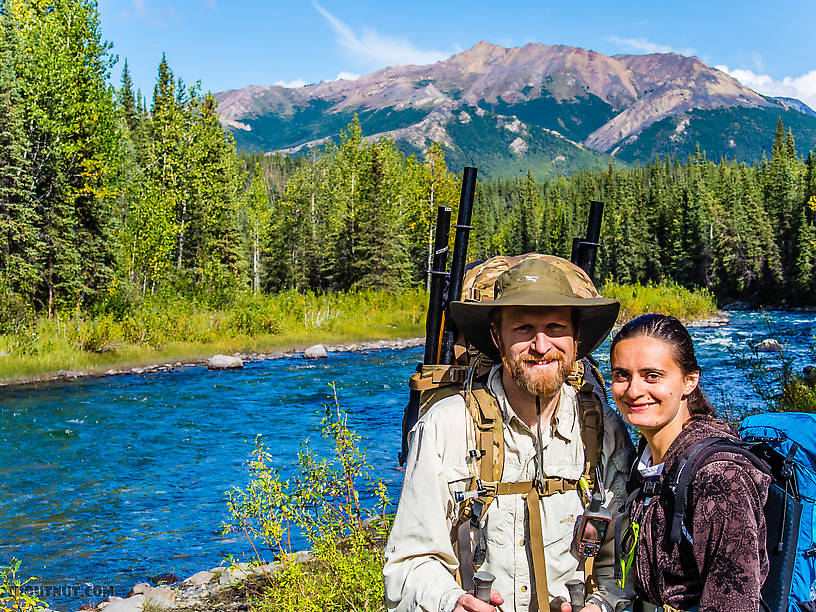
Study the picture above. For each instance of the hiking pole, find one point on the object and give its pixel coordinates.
(577, 593)
(433, 321)
(483, 581)
(457, 272)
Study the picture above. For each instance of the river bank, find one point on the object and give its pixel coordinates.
(164, 334)
(716, 320)
(203, 362)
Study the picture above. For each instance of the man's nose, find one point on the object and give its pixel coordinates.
(541, 343)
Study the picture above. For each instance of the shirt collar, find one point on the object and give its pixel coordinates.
(565, 417)
(645, 466)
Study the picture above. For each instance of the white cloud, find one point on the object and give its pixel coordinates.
(293, 84)
(376, 50)
(347, 76)
(153, 16)
(642, 45)
(802, 87)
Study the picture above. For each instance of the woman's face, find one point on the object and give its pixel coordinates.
(648, 385)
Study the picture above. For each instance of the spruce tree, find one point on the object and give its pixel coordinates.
(18, 218)
(70, 124)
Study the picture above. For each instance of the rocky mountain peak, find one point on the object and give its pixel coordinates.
(599, 101)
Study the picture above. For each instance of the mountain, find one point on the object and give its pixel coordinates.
(552, 109)
(797, 105)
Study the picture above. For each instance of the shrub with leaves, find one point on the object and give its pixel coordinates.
(336, 503)
(13, 595)
(251, 321)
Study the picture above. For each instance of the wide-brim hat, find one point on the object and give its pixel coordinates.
(541, 281)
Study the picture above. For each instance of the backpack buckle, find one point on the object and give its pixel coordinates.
(651, 488)
(477, 508)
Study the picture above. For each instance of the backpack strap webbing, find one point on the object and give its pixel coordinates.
(489, 456)
(687, 470)
(537, 550)
(591, 415)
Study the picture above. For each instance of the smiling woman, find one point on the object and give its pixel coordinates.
(721, 561)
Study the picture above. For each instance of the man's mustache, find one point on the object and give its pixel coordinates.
(547, 357)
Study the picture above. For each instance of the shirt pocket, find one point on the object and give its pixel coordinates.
(561, 524)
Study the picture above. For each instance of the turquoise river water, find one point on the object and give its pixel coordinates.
(107, 482)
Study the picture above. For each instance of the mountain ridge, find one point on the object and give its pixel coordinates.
(598, 102)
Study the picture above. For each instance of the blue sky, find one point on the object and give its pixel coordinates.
(769, 46)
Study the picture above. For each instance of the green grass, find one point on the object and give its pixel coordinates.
(181, 330)
(157, 331)
(665, 298)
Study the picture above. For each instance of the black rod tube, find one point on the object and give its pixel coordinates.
(588, 247)
(438, 281)
(433, 320)
(460, 247)
(594, 224)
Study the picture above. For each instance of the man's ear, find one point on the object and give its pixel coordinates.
(494, 336)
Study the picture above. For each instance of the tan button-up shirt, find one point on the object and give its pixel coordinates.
(420, 563)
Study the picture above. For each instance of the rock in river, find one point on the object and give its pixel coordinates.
(318, 351)
(224, 362)
(769, 344)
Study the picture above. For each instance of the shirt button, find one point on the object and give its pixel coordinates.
(521, 542)
(524, 589)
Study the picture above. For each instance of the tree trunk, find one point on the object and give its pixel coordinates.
(181, 233)
(256, 277)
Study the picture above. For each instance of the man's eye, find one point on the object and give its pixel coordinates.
(652, 377)
(619, 377)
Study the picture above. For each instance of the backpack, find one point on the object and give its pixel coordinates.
(783, 445)
(468, 377)
(787, 442)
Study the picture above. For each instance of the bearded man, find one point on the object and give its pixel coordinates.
(546, 315)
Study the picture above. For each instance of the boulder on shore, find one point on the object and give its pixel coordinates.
(130, 604)
(224, 362)
(318, 351)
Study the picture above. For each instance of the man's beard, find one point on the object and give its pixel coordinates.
(542, 384)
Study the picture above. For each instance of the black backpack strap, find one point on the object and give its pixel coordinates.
(687, 470)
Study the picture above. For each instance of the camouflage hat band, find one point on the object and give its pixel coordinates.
(540, 297)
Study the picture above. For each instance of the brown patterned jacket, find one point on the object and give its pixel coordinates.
(726, 565)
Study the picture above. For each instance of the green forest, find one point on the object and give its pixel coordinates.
(109, 197)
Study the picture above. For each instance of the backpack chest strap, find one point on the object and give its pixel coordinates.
(547, 486)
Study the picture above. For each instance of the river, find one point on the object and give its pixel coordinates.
(107, 482)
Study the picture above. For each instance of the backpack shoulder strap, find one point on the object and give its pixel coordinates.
(590, 412)
(687, 469)
(489, 426)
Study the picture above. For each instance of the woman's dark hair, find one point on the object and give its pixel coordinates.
(674, 333)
